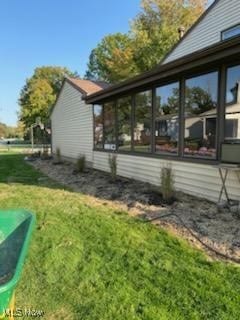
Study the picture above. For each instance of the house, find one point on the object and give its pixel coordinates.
(179, 113)
(72, 119)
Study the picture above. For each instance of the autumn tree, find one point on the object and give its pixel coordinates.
(3, 130)
(112, 59)
(10, 131)
(39, 93)
(155, 29)
(152, 34)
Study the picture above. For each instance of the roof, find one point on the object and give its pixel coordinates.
(87, 87)
(226, 49)
(229, 109)
(202, 16)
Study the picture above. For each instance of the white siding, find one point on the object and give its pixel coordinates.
(225, 14)
(195, 179)
(72, 125)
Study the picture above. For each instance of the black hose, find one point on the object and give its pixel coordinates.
(218, 253)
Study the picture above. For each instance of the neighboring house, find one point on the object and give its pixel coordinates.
(178, 113)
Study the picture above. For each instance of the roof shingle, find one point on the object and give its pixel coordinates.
(89, 87)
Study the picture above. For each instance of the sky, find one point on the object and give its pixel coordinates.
(34, 33)
(52, 32)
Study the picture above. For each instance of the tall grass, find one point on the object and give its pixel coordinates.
(58, 155)
(81, 164)
(167, 184)
(112, 160)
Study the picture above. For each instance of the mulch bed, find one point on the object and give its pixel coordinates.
(219, 229)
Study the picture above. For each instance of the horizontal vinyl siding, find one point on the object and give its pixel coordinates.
(195, 179)
(224, 15)
(72, 125)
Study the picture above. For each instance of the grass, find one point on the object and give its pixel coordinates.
(90, 262)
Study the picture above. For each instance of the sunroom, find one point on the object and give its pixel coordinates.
(186, 110)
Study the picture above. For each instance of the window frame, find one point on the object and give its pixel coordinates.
(226, 67)
(134, 118)
(130, 96)
(156, 86)
(93, 114)
(195, 75)
(113, 102)
(229, 29)
(221, 68)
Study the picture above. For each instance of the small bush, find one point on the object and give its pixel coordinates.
(167, 184)
(45, 154)
(112, 160)
(45, 151)
(81, 164)
(58, 155)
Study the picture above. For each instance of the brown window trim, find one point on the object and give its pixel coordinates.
(151, 88)
(206, 161)
(199, 74)
(155, 87)
(228, 29)
(229, 66)
(226, 67)
(221, 67)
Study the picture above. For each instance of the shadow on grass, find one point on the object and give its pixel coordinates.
(14, 170)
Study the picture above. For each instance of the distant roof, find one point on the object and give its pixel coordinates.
(88, 86)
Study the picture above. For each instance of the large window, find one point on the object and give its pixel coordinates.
(142, 121)
(167, 119)
(109, 126)
(124, 109)
(232, 109)
(200, 116)
(98, 126)
(188, 129)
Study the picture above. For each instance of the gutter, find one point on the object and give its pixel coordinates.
(209, 54)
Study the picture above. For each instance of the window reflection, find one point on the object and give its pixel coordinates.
(200, 116)
(231, 32)
(98, 126)
(232, 110)
(124, 107)
(143, 118)
(109, 126)
(167, 119)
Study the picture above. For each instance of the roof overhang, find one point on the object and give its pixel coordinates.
(224, 50)
(65, 80)
(78, 87)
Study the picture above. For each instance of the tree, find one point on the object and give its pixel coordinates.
(152, 34)
(3, 130)
(155, 29)
(199, 100)
(39, 93)
(112, 59)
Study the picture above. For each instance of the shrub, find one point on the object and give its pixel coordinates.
(167, 184)
(58, 155)
(45, 154)
(112, 160)
(81, 164)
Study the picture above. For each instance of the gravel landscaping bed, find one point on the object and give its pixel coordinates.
(219, 229)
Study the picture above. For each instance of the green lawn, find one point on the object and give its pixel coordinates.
(91, 262)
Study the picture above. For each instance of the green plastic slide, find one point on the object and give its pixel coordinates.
(15, 231)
